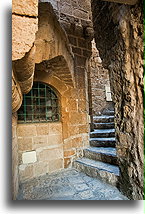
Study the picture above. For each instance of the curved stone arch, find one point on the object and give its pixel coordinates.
(52, 45)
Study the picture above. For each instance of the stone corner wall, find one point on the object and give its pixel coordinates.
(99, 78)
(15, 177)
(119, 37)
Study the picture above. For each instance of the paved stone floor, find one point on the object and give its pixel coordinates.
(68, 184)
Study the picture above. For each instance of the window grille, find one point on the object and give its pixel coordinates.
(39, 105)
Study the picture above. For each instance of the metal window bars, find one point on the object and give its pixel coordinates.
(41, 104)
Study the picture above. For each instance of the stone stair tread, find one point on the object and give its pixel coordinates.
(103, 116)
(103, 150)
(102, 139)
(96, 131)
(99, 165)
(105, 123)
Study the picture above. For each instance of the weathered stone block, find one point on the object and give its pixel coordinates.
(50, 154)
(67, 145)
(41, 168)
(77, 50)
(83, 129)
(81, 14)
(26, 130)
(23, 35)
(73, 130)
(82, 43)
(42, 129)
(55, 128)
(72, 40)
(25, 144)
(66, 8)
(77, 142)
(39, 142)
(68, 153)
(54, 140)
(29, 157)
(55, 165)
(27, 7)
(25, 172)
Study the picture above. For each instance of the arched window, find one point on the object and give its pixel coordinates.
(39, 105)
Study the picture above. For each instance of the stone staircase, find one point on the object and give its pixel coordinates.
(100, 160)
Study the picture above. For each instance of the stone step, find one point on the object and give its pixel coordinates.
(103, 119)
(97, 169)
(109, 112)
(102, 133)
(104, 125)
(103, 142)
(107, 155)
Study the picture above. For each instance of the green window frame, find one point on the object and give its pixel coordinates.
(40, 105)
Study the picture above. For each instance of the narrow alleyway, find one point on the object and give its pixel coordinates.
(68, 184)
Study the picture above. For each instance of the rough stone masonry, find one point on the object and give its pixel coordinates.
(119, 38)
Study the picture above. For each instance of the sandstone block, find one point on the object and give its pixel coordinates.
(41, 168)
(67, 145)
(25, 144)
(50, 154)
(42, 129)
(39, 142)
(55, 165)
(54, 140)
(81, 14)
(25, 172)
(27, 7)
(68, 153)
(26, 130)
(73, 130)
(82, 43)
(77, 50)
(55, 129)
(29, 157)
(23, 35)
(77, 142)
(75, 118)
(83, 129)
(73, 40)
(73, 105)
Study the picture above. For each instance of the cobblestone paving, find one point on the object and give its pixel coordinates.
(68, 184)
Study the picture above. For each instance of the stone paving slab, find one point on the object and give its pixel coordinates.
(68, 184)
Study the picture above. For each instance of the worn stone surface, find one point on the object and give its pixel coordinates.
(26, 66)
(68, 185)
(45, 142)
(16, 94)
(27, 7)
(99, 77)
(23, 35)
(119, 37)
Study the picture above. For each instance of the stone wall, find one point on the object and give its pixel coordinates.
(15, 181)
(61, 59)
(24, 27)
(99, 81)
(74, 115)
(119, 37)
(40, 149)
